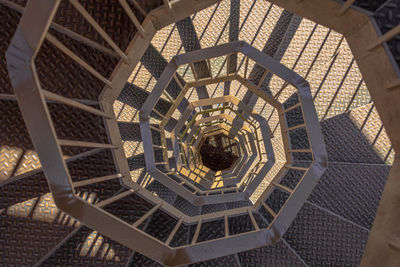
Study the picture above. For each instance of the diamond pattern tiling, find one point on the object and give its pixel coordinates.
(234, 17)
(76, 124)
(160, 225)
(59, 74)
(129, 131)
(71, 19)
(349, 92)
(352, 191)
(261, 222)
(212, 31)
(113, 20)
(240, 224)
(279, 31)
(275, 255)
(29, 162)
(191, 42)
(22, 209)
(142, 78)
(139, 260)
(102, 190)
(270, 48)
(46, 210)
(294, 117)
(361, 96)
(124, 112)
(184, 235)
(266, 215)
(79, 250)
(299, 139)
(153, 62)
(340, 191)
(291, 101)
(129, 209)
(297, 44)
(161, 191)
(288, 37)
(332, 81)
(205, 209)
(133, 96)
(253, 30)
(325, 239)
(264, 183)
(9, 20)
(186, 207)
(322, 59)
(23, 189)
(367, 119)
(94, 165)
(310, 48)
(230, 260)
(168, 42)
(277, 199)
(101, 62)
(349, 146)
(237, 204)
(291, 178)
(13, 131)
(9, 158)
(25, 241)
(211, 230)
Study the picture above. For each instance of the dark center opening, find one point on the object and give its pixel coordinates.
(219, 152)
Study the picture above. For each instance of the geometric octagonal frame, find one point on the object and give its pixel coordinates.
(32, 101)
(240, 170)
(310, 119)
(232, 101)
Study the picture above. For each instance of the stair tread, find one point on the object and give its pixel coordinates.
(325, 239)
(316, 235)
(278, 254)
(9, 20)
(28, 240)
(23, 189)
(60, 74)
(75, 251)
(352, 191)
(162, 191)
(349, 146)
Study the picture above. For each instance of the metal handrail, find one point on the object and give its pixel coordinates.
(304, 95)
(229, 123)
(267, 147)
(20, 61)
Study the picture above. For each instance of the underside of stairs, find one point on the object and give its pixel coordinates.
(334, 223)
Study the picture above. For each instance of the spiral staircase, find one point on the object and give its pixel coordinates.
(106, 105)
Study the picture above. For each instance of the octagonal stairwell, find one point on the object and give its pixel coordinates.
(335, 220)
